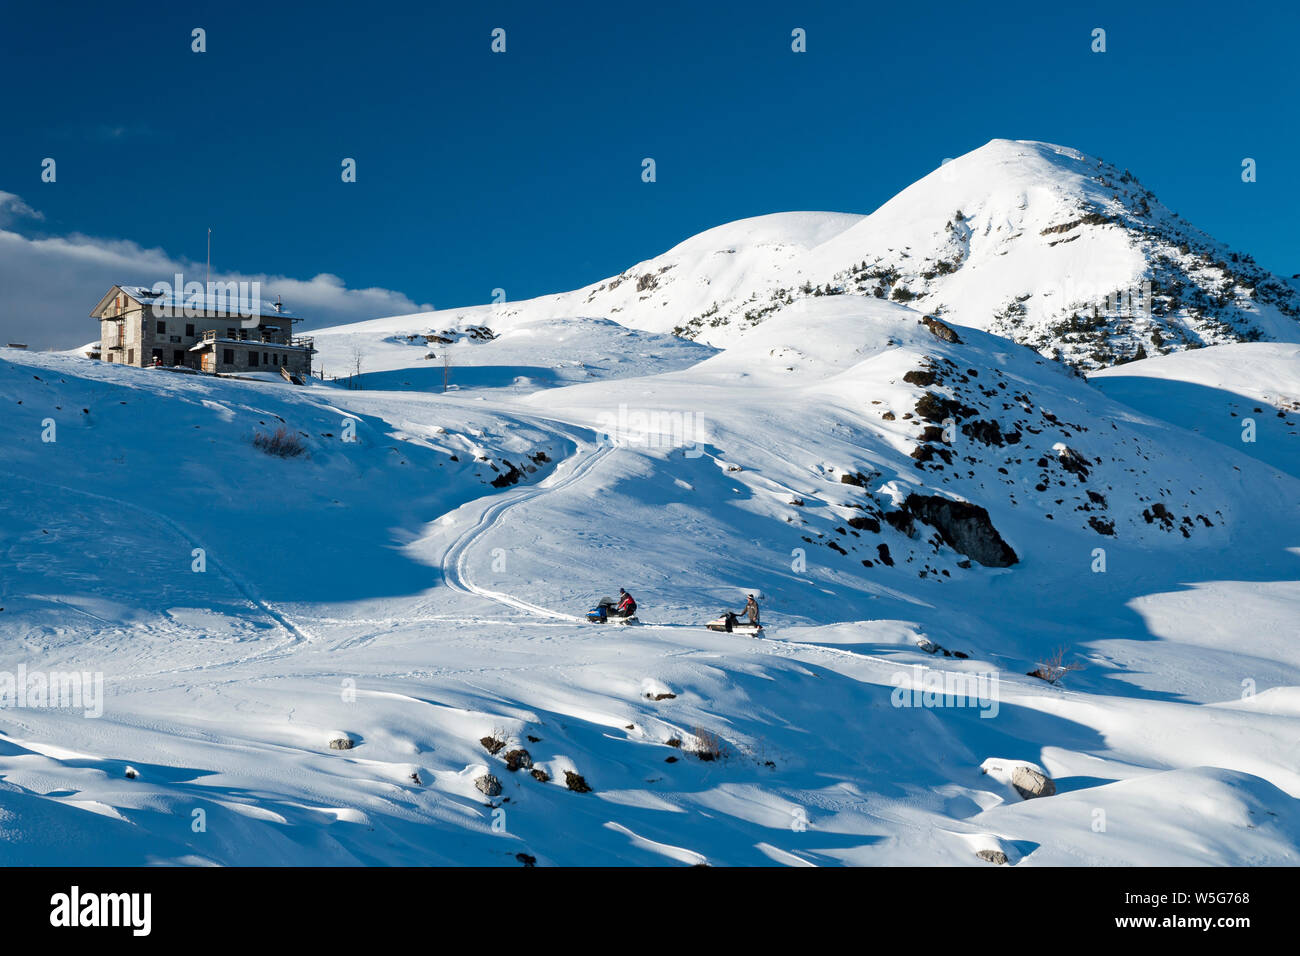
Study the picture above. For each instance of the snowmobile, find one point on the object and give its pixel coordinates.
(728, 622)
(606, 612)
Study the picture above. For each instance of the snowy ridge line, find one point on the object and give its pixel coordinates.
(454, 561)
(296, 633)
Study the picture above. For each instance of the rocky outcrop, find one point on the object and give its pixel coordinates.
(964, 527)
(940, 331)
(1072, 461)
(508, 478)
(864, 523)
(924, 377)
(937, 409)
(519, 760)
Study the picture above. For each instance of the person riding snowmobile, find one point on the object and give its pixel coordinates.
(626, 604)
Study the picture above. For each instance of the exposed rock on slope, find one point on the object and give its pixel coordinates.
(964, 527)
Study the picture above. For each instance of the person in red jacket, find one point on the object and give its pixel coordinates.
(626, 604)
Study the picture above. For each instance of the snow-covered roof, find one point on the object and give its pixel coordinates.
(218, 299)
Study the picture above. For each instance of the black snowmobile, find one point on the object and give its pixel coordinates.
(732, 625)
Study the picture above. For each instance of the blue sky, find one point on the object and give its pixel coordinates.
(522, 170)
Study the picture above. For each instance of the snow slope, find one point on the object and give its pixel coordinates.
(423, 587)
(409, 351)
(1245, 396)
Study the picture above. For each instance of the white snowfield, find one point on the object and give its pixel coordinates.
(300, 657)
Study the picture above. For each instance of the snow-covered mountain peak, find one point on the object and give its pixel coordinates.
(1041, 243)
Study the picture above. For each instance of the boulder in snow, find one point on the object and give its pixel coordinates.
(1028, 779)
(519, 759)
(1030, 783)
(940, 331)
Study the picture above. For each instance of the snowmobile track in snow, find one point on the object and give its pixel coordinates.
(494, 510)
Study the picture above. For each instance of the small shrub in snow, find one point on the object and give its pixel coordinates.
(494, 742)
(709, 746)
(1054, 667)
(540, 775)
(282, 444)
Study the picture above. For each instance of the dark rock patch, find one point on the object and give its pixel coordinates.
(862, 523)
(964, 527)
(940, 331)
(1101, 525)
(519, 760)
(575, 782)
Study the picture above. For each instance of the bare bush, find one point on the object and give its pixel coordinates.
(1054, 666)
(282, 444)
(495, 742)
(709, 746)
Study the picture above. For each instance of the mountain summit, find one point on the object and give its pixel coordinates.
(1043, 244)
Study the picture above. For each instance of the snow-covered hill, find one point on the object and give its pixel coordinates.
(1245, 396)
(1040, 243)
(914, 501)
(426, 351)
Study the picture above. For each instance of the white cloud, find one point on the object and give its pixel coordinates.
(12, 207)
(50, 285)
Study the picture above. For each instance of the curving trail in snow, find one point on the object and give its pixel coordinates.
(493, 509)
